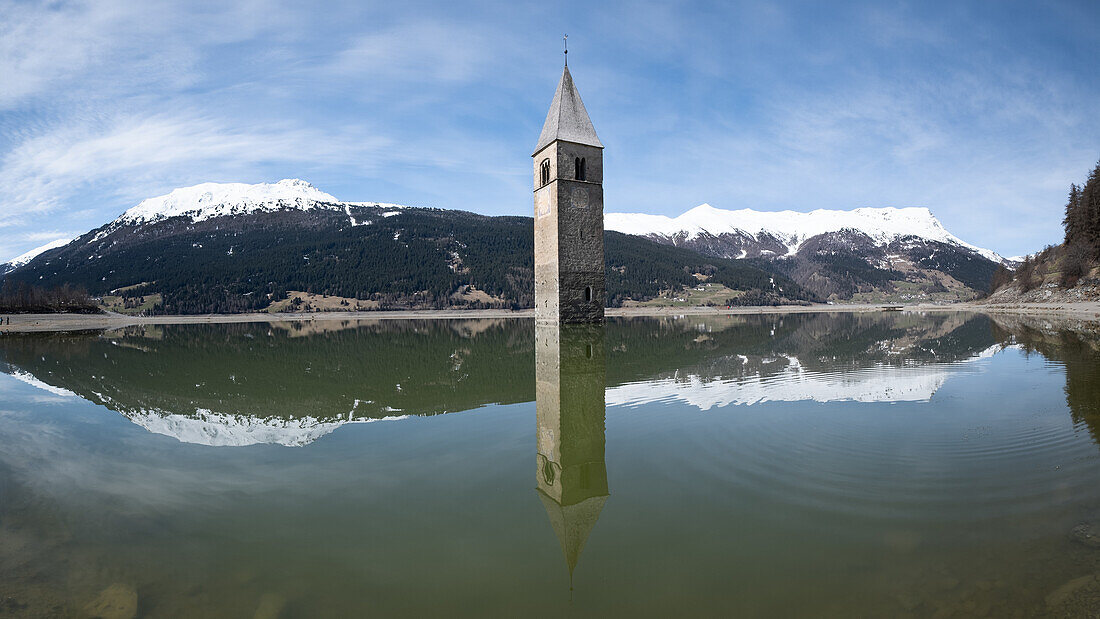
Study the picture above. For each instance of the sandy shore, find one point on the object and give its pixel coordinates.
(1085, 310)
(78, 322)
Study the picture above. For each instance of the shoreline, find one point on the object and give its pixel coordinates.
(30, 323)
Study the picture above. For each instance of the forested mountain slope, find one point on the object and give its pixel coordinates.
(1065, 273)
(211, 248)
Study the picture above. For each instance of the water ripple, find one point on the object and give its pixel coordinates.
(832, 442)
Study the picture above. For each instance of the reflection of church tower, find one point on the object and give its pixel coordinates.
(569, 399)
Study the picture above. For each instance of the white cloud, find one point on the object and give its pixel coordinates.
(131, 155)
(421, 52)
(990, 149)
(104, 103)
(111, 101)
(48, 235)
(104, 47)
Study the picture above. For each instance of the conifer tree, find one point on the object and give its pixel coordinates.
(1090, 207)
(1073, 221)
(1001, 277)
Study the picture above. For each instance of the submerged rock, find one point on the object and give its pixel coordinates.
(271, 606)
(1087, 534)
(1079, 597)
(11, 605)
(909, 600)
(119, 601)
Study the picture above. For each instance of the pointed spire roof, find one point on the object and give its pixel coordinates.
(567, 119)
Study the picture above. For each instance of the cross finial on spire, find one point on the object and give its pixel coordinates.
(565, 38)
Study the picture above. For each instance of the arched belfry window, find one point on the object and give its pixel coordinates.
(544, 172)
(578, 166)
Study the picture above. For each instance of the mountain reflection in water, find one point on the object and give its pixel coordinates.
(800, 465)
(292, 383)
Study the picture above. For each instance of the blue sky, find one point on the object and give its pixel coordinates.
(982, 111)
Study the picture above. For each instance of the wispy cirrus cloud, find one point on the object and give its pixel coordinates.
(110, 102)
(49, 235)
(64, 48)
(417, 52)
(983, 116)
(133, 154)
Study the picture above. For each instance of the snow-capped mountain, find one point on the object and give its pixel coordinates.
(235, 247)
(790, 229)
(896, 254)
(252, 243)
(22, 259)
(208, 200)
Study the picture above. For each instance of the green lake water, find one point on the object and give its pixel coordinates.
(839, 465)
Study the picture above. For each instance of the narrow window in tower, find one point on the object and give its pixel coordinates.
(588, 351)
(588, 294)
(544, 172)
(578, 167)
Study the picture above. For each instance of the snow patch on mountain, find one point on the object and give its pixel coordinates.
(33, 381)
(213, 429)
(22, 259)
(917, 384)
(209, 200)
(882, 383)
(793, 228)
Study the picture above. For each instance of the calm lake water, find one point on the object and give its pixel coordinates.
(802, 465)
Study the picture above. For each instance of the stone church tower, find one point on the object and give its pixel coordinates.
(569, 261)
